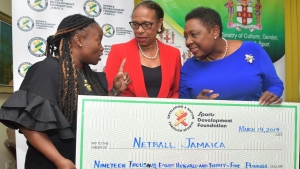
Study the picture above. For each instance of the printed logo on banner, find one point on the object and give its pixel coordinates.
(187, 54)
(36, 46)
(167, 37)
(37, 5)
(244, 17)
(25, 23)
(181, 118)
(23, 68)
(92, 8)
(108, 30)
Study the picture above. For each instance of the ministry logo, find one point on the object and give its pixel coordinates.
(92, 8)
(36, 46)
(25, 23)
(181, 118)
(243, 10)
(23, 68)
(108, 30)
(37, 5)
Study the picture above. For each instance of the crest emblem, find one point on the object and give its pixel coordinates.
(243, 10)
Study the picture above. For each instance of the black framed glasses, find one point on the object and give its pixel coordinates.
(145, 25)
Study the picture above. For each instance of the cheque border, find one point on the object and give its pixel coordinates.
(187, 103)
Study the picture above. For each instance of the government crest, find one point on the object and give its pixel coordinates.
(247, 14)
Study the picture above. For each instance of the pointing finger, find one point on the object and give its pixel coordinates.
(122, 65)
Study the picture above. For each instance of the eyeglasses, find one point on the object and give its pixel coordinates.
(145, 25)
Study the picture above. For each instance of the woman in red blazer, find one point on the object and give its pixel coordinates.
(154, 68)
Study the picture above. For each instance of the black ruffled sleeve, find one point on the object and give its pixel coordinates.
(35, 105)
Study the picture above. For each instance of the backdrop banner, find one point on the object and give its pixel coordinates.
(34, 20)
(246, 20)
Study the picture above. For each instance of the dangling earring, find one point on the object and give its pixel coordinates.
(159, 30)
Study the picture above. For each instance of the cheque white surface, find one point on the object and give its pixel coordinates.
(118, 132)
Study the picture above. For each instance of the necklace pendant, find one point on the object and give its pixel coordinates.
(87, 86)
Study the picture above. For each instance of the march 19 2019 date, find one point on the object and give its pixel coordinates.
(259, 129)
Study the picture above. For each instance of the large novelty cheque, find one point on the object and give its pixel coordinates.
(120, 132)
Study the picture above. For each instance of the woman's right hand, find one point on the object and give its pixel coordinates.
(122, 80)
(65, 164)
(204, 95)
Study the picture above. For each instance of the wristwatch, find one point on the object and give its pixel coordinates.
(114, 92)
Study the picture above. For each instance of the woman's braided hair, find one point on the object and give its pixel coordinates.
(60, 45)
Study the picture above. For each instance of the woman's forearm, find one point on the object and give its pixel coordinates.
(42, 143)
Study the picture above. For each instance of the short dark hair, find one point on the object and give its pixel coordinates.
(209, 17)
(159, 12)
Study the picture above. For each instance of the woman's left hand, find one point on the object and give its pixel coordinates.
(122, 80)
(268, 98)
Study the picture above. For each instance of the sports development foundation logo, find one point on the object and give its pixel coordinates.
(108, 30)
(92, 8)
(25, 23)
(36, 46)
(181, 118)
(23, 68)
(38, 5)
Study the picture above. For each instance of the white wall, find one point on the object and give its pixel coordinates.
(5, 7)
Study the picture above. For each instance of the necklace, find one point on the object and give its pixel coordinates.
(86, 84)
(224, 52)
(148, 57)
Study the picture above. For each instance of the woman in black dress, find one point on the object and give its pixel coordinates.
(45, 106)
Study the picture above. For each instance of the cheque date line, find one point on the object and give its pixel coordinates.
(259, 129)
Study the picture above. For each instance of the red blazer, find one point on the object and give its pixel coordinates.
(170, 64)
